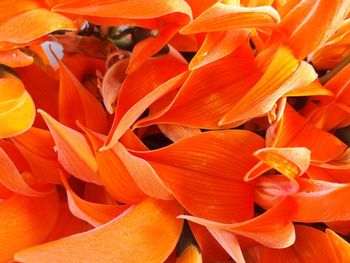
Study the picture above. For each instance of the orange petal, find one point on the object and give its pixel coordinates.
(112, 241)
(15, 58)
(129, 113)
(135, 174)
(31, 25)
(76, 103)
(210, 91)
(320, 201)
(132, 142)
(93, 213)
(295, 131)
(66, 225)
(196, 168)
(140, 88)
(311, 245)
(272, 229)
(312, 89)
(190, 255)
(210, 248)
(282, 75)
(299, 18)
(199, 6)
(291, 162)
(150, 46)
(340, 247)
(269, 190)
(229, 242)
(13, 180)
(112, 82)
(74, 153)
(218, 45)
(177, 132)
(336, 49)
(82, 65)
(42, 88)
(37, 147)
(222, 17)
(15, 155)
(341, 227)
(26, 222)
(113, 172)
(9, 8)
(131, 12)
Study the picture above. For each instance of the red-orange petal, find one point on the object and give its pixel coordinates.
(197, 168)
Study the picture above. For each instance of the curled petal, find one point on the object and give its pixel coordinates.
(74, 152)
(294, 131)
(30, 25)
(218, 45)
(272, 229)
(283, 74)
(15, 58)
(222, 17)
(76, 103)
(13, 180)
(93, 213)
(291, 162)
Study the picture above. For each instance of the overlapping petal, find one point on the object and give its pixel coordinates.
(197, 167)
(113, 241)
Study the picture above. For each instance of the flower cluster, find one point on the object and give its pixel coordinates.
(174, 131)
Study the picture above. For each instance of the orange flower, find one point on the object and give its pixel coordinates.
(174, 131)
